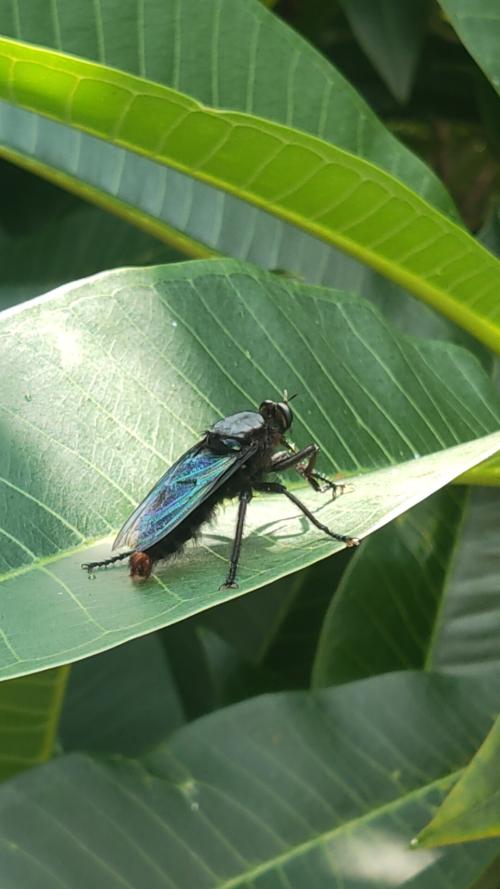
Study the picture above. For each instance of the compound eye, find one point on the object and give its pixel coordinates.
(267, 408)
(284, 414)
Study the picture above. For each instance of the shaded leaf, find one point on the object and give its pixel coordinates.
(391, 34)
(120, 701)
(298, 789)
(277, 627)
(386, 612)
(209, 672)
(468, 633)
(426, 589)
(79, 243)
(477, 24)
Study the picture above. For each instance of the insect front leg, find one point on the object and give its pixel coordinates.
(283, 460)
(245, 497)
(277, 488)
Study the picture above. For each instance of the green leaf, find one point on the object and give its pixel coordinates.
(391, 34)
(120, 701)
(111, 378)
(422, 592)
(283, 171)
(279, 76)
(468, 633)
(29, 714)
(385, 612)
(299, 789)
(476, 23)
(472, 809)
(192, 47)
(277, 627)
(209, 672)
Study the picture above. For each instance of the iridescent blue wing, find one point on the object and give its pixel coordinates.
(184, 486)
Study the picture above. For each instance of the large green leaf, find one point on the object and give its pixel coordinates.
(472, 809)
(288, 173)
(192, 47)
(279, 76)
(304, 90)
(299, 789)
(29, 714)
(111, 378)
(476, 23)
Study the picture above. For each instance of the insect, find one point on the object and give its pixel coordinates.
(232, 460)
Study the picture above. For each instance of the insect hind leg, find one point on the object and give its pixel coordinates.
(89, 566)
(277, 488)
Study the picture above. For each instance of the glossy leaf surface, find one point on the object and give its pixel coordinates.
(91, 420)
(334, 196)
(192, 47)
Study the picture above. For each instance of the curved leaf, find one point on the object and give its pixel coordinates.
(472, 810)
(331, 194)
(111, 378)
(476, 23)
(299, 789)
(304, 90)
(29, 713)
(192, 47)
(391, 35)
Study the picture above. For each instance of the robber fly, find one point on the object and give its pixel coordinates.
(232, 460)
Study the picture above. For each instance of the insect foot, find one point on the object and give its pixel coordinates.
(228, 586)
(352, 541)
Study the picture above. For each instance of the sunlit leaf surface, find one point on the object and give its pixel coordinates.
(112, 378)
(333, 195)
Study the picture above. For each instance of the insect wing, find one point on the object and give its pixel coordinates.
(183, 487)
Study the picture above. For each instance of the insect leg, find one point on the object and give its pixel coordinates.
(245, 497)
(277, 488)
(282, 461)
(89, 566)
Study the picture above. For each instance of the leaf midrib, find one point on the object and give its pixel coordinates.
(480, 325)
(302, 848)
